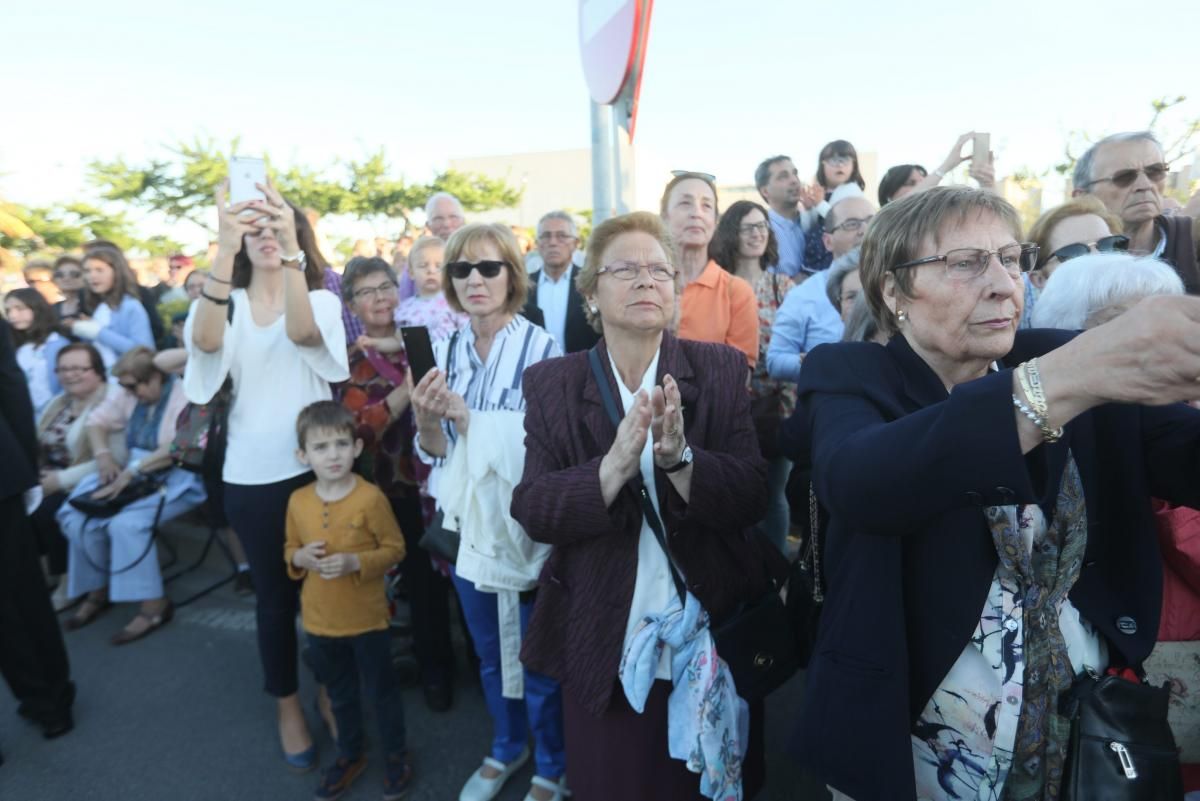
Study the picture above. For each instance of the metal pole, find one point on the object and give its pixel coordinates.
(602, 168)
(622, 166)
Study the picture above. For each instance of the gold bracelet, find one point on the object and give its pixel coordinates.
(1031, 383)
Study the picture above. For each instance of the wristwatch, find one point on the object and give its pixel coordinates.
(298, 261)
(685, 459)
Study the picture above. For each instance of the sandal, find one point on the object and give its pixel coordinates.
(154, 623)
(88, 611)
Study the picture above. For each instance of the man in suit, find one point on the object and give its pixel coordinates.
(33, 658)
(554, 301)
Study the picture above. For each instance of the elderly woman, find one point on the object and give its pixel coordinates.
(716, 306)
(470, 413)
(843, 285)
(1095, 288)
(989, 531)
(378, 395)
(125, 568)
(607, 605)
(745, 246)
(65, 450)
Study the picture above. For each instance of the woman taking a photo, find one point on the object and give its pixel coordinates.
(281, 345)
(114, 318)
(1009, 546)
(715, 306)
(745, 246)
(687, 437)
(37, 342)
(479, 382)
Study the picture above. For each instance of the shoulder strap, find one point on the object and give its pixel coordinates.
(636, 483)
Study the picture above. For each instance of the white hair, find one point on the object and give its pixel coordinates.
(557, 214)
(1083, 286)
(435, 197)
(1082, 176)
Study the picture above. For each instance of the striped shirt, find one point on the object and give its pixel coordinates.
(496, 384)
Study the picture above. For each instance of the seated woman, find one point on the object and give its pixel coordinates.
(37, 343)
(606, 594)
(65, 450)
(114, 558)
(990, 536)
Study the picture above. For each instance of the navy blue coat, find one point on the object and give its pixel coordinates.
(903, 471)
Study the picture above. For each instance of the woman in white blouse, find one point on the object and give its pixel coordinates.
(281, 344)
(480, 372)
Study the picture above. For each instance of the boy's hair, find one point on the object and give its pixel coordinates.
(326, 415)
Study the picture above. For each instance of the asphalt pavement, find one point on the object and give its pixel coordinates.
(180, 716)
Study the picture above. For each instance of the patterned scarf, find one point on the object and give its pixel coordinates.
(1044, 577)
(141, 432)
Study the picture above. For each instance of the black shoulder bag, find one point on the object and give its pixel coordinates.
(756, 641)
(437, 539)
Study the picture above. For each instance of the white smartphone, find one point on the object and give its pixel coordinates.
(244, 173)
(982, 150)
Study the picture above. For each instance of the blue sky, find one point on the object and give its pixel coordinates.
(726, 84)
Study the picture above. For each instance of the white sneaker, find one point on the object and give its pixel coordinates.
(559, 788)
(479, 788)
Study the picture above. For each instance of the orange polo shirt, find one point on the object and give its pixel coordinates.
(719, 307)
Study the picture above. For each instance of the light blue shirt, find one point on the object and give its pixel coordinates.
(805, 319)
(552, 299)
(789, 235)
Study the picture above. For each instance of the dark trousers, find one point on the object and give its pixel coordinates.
(258, 514)
(51, 542)
(337, 662)
(428, 598)
(33, 658)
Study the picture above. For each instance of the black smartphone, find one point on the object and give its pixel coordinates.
(419, 349)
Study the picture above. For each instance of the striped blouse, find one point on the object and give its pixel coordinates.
(494, 385)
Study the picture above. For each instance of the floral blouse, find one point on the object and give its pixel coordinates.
(433, 313)
(770, 290)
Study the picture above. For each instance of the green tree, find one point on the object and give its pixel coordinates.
(67, 226)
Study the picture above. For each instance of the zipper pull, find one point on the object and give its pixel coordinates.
(1126, 760)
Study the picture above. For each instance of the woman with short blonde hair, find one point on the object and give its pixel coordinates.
(466, 241)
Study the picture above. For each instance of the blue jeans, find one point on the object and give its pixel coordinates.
(778, 519)
(540, 710)
(337, 662)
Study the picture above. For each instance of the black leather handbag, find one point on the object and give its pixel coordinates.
(1121, 746)
(439, 540)
(806, 586)
(757, 641)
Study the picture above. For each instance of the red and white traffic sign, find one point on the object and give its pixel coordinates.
(608, 41)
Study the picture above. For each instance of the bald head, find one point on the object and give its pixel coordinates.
(846, 224)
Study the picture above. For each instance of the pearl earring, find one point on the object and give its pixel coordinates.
(594, 308)
(902, 315)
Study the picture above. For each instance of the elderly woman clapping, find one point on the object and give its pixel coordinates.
(607, 600)
(988, 495)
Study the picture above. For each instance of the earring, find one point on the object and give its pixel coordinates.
(902, 315)
(594, 308)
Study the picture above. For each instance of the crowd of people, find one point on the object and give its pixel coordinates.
(984, 435)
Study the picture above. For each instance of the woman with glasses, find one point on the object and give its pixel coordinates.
(745, 246)
(37, 342)
(715, 306)
(989, 537)
(608, 600)
(68, 277)
(65, 451)
(378, 395)
(470, 412)
(264, 323)
(114, 558)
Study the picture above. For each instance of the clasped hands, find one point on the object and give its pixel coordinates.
(658, 414)
(313, 559)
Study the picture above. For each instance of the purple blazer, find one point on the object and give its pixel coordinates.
(577, 631)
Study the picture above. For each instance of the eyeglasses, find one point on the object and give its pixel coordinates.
(1108, 244)
(128, 387)
(965, 264)
(838, 161)
(384, 290)
(1123, 178)
(72, 370)
(852, 224)
(703, 176)
(487, 269)
(71, 276)
(561, 236)
(752, 228)
(629, 270)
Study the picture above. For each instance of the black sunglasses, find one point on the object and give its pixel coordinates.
(488, 268)
(1124, 178)
(1117, 243)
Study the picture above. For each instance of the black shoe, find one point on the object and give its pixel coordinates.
(439, 697)
(243, 585)
(57, 724)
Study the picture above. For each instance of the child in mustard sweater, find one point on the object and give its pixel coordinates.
(341, 539)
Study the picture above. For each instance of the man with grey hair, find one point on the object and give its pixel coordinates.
(1126, 172)
(443, 214)
(554, 301)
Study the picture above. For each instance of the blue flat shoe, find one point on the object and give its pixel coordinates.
(302, 762)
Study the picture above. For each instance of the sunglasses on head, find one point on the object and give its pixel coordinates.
(1108, 244)
(703, 176)
(1124, 178)
(487, 268)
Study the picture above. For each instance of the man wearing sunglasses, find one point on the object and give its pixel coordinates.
(1126, 172)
